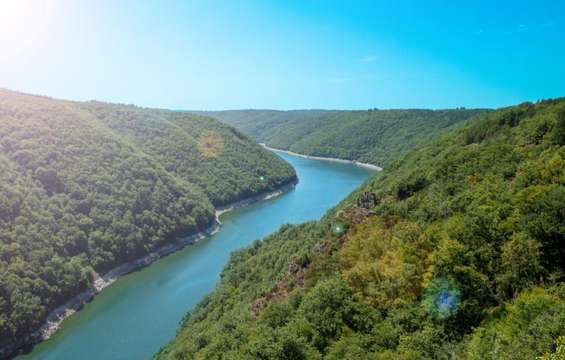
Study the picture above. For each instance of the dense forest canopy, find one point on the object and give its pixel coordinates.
(373, 136)
(87, 186)
(456, 250)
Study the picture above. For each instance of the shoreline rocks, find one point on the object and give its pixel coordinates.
(56, 317)
(354, 162)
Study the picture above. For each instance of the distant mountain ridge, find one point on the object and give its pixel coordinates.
(371, 136)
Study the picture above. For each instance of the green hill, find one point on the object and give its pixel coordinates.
(87, 186)
(373, 136)
(456, 250)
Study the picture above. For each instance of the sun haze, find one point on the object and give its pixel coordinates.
(285, 55)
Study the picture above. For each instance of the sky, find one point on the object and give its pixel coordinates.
(213, 55)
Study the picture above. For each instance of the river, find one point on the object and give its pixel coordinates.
(140, 313)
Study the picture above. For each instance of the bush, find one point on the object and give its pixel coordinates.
(525, 329)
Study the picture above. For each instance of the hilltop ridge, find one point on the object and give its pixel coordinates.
(455, 250)
(369, 136)
(85, 187)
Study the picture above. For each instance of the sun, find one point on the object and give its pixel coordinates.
(23, 24)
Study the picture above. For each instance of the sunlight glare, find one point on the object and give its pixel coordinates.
(23, 24)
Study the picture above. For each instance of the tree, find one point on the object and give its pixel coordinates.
(521, 264)
(559, 127)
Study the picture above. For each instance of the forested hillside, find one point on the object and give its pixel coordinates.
(374, 136)
(87, 186)
(260, 124)
(455, 251)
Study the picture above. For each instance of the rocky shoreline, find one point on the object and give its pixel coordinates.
(261, 197)
(354, 162)
(59, 314)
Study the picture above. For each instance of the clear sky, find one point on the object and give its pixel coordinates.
(285, 54)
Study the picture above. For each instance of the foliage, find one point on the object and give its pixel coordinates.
(559, 353)
(528, 326)
(198, 149)
(384, 262)
(87, 186)
(373, 136)
(462, 257)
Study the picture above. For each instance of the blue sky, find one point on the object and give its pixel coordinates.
(285, 54)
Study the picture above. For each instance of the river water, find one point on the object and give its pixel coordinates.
(141, 311)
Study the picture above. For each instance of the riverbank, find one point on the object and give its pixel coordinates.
(354, 162)
(261, 197)
(58, 315)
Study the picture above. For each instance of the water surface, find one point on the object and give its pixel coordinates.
(141, 311)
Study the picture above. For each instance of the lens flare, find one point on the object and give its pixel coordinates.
(211, 144)
(441, 298)
(338, 229)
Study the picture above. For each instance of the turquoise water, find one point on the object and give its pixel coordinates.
(140, 313)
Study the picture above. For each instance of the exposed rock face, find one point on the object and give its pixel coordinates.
(294, 278)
